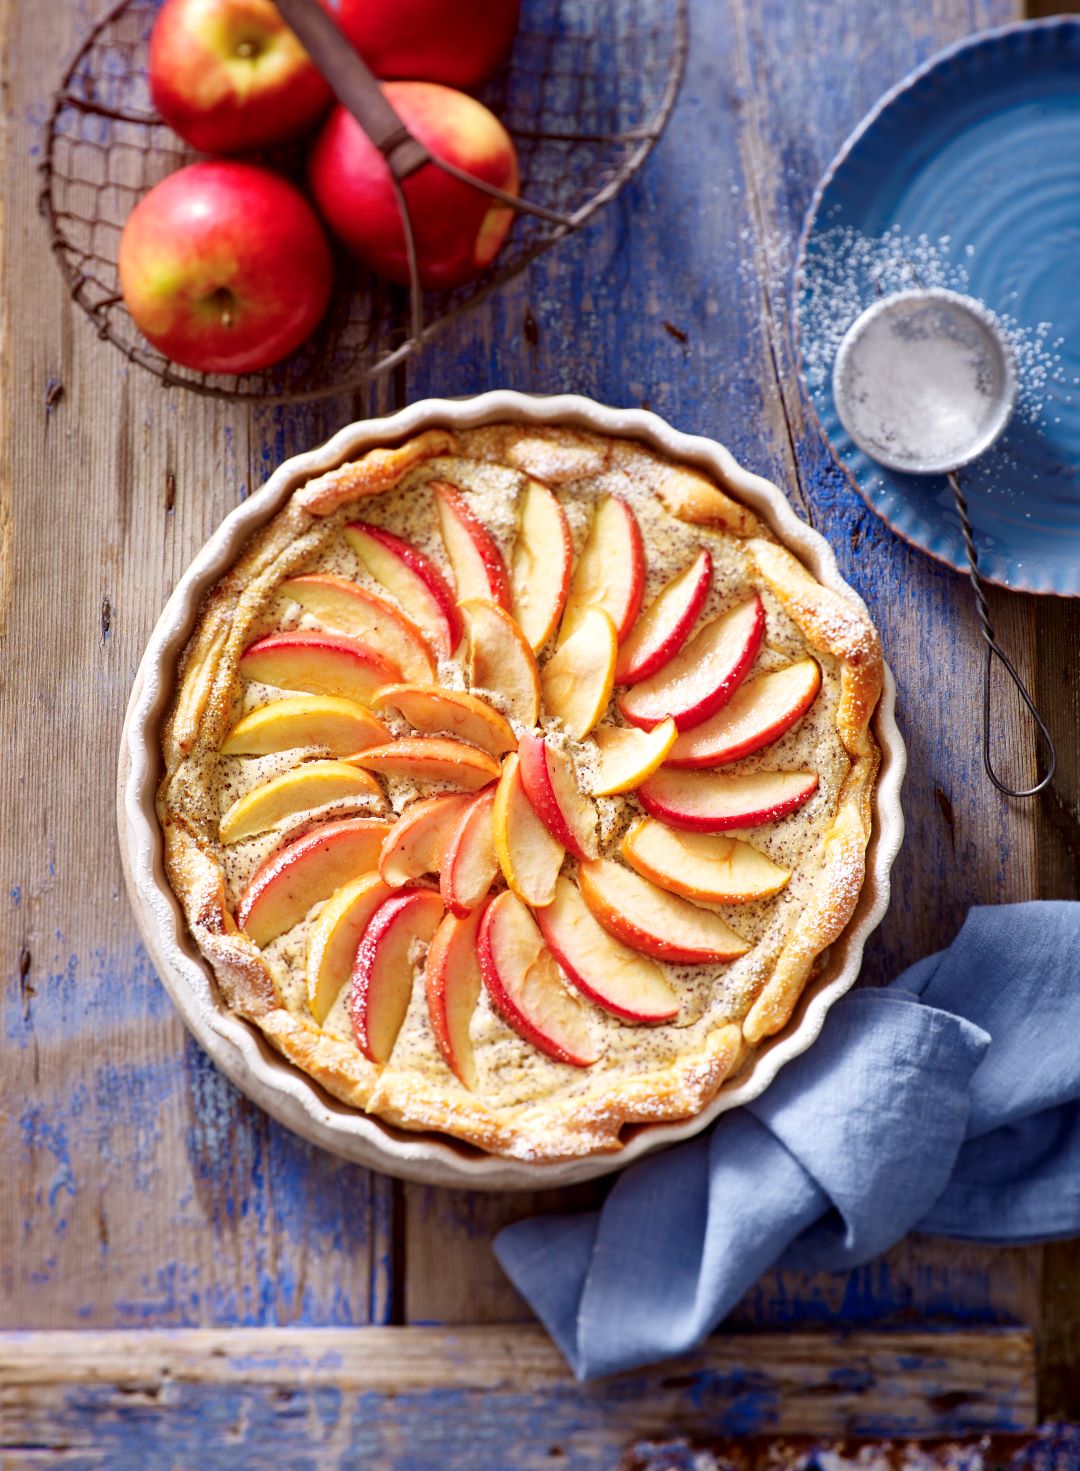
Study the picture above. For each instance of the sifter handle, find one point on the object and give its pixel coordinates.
(994, 649)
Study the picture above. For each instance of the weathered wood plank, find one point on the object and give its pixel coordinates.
(148, 1191)
(144, 1187)
(477, 1397)
(702, 241)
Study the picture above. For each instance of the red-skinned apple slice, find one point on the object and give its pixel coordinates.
(704, 676)
(350, 608)
(382, 978)
(318, 664)
(552, 787)
(610, 571)
(705, 866)
(305, 787)
(654, 921)
(629, 756)
(760, 712)
(621, 980)
(321, 722)
(431, 758)
(711, 802)
(435, 711)
(286, 885)
(471, 862)
(479, 569)
(417, 842)
(541, 564)
(335, 938)
(500, 659)
(664, 627)
(578, 678)
(529, 856)
(452, 982)
(410, 577)
(526, 989)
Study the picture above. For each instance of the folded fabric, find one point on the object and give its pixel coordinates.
(948, 1102)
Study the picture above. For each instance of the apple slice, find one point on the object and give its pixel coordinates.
(412, 579)
(350, 608)
(500, 660)
(310, 785)
(579, 677)
(382, 978)
(664, 627)
(452, 982)
(708, 802)
(654, 921)
(529, 856)
(417, 842)
(470, 862)
(287, 883)
(704, 675)
(629, 756)
(541, 564)
(321, 722)
(318, 663)
(479, 569)
(431, 758)
(604, 970)
(757, 714)
(525, 987)
(552, 787)
(335, 938)
(610, 572)
(705, 866)
(435, 711)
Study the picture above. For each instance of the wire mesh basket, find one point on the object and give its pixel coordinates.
(585, 94)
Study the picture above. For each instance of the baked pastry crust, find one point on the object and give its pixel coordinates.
(590, 1113)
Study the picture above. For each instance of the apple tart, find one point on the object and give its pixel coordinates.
(516, 781)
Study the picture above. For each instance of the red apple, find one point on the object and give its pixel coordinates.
(410, 577)
(712, 802)
(479, 569)
(759, 712)
(229, 75)
(457, 229)
(459, 42)
(554, 792)
(224, 267)
(383, 973)
(523, 981)
(704, 675)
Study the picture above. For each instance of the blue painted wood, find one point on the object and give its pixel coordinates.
(699, 247)
(147, 1190)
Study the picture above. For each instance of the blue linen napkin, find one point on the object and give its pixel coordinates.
(948, 1102)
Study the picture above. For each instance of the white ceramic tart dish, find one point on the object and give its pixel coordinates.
(508, 788)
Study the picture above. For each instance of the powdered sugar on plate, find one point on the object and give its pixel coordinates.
(845, 271)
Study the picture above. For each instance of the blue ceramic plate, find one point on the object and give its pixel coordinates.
(968, 175)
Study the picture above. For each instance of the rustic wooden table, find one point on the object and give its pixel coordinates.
(142, 1191)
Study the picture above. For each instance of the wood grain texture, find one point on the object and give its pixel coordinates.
(144, 1187)
(476, 1397)
(707, 250)
(146, 1191)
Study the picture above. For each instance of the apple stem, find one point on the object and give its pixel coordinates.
(223, 300)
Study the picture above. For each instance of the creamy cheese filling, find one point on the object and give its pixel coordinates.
(511, 1072)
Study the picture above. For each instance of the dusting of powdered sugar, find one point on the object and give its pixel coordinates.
(846, 271)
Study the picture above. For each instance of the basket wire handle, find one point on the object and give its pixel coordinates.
(356, 88)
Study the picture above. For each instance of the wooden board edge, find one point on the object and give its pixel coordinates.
(511, 1357)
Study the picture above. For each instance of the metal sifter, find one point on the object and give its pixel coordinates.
(924, 383)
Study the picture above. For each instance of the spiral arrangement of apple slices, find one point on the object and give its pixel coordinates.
(470, 887)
